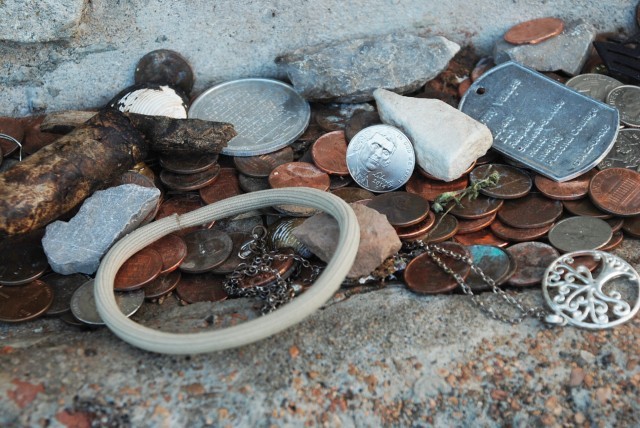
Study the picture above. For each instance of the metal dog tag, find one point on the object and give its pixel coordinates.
(550, 128)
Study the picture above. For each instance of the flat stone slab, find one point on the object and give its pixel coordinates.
(39, 21)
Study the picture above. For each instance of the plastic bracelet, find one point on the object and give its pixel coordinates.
(251, 331)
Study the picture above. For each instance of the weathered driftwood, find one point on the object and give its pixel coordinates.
(60, 176)
(63, 122)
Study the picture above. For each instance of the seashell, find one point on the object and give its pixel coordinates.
(280, 235)
(165, 67)
(151, 100)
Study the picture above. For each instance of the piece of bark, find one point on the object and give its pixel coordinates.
(63, 122)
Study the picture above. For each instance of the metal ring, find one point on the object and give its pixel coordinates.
(10, 138)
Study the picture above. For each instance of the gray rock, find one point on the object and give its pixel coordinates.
(39, 21)
(446, 141)
(567, 51)
(350, 71)
(78, 245)
(378, 239)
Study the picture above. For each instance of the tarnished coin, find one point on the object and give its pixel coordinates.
(626, 99)
(579, 233)
(239, 240)
(329, 153)
(206, 249)
(360, 120)
(631, 226)
(565, 191)
(586, 208)
(481, 237)
(614, 242)
(165, 67)
(484, 64)
(339, 181)
(431, 189)
(186, 182)
(490, 157)
(83, 304)
(625, 152)
(470, 226)
(280, 236)
(615, 223)
(284, 266)
(12, 127)
(260, 166)
(352, 194)
(26, 302)
(445, 228)
(63, 287)
(418, 230)
(139, 270)
(226, 186)
(182, 204)
(380, 158)
(534, 31)
(594, 85)
(532, 259)
(299, 174)
(132, 177)
(172, 250)
(401, 208)
(70, 319)
(252, 184)
(616, 191)
(22, 259)
(187, 163)
(423, 276)
(494, 262)
(206, 287)
(334, 116)
(267, 115)
(162, 285)
(514, 234)
(513, 183)
(474, 208)
(534, 210)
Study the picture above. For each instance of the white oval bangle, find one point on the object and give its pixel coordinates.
(286, 316)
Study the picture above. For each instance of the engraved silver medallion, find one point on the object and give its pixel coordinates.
(541, 123)
(83, 303)
(267, 114)
(625, 152)
(626, 99)
(380, 158)
(606, 297)
(594, 85)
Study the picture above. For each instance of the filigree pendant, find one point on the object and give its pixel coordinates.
(598, 298)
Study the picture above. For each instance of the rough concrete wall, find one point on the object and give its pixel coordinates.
(67, 54)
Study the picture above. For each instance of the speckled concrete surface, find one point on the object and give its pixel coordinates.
(383, 356)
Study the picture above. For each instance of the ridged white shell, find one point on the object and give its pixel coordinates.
(161, 101)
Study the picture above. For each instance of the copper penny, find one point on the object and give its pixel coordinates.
(534, 31)
(616, 191)
(206, 287)
(423, 276)
(430, 189)
(140, 269)
(579, 233)
(584, 207)
(186, 182)
(534, 210)
(566, 191)
(615, 223)
(614, 242)
(513, 183)
(481, 237)
(231, 263)
(490, 157)
(26, 302)
(483, 65)
(532, 259)
(494, 262)
(226, 186)
(284, 266)
(63, 287)
(471, 209)
(162, 67)
(352, 194)
(34, 139)
(262, 165)
(514, 234)
(445, 228)
(206, 249)
(172, 250)
(299, 174)
(470, 226)
(132, 177)
(401, 208)
(182, 204)
(12, 127)
(631, 226)
(252, 184)
(162, 285)
(312, 133)
(425, 174)
(187, 163)
(329, 153)
(22, 259)
(360, 120)
(418, 229)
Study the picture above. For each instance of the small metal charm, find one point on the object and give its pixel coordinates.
(582, 298)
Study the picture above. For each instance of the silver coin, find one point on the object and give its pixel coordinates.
(83, 304)
(206, 249)
(625, 152)
(626, 99)
(380, 158)
(579, 233)
(63, 287)
(267, 114)
(594, 85)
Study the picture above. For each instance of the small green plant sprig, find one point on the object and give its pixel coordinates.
(472, 192)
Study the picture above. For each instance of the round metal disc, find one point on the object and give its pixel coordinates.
(579, 233)
(83, 304)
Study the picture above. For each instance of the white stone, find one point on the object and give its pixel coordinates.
(446, 141)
